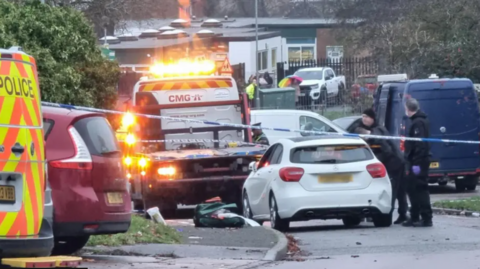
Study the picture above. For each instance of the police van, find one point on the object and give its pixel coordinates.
(453, 111)
(26, 209)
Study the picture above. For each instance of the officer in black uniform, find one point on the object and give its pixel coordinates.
(417, 155)
(258, 136)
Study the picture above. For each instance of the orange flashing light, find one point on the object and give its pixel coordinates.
(184, 68)
(166, 171)
(130, 139)
(128, 120)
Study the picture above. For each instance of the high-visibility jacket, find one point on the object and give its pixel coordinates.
(251, 91)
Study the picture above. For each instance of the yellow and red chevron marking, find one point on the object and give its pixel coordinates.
(20, 111)
(21, 79)
(185, 85)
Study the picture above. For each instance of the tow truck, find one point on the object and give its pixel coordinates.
(170, 161)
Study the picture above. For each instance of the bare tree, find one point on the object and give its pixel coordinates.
(110, 13)
(417, 37)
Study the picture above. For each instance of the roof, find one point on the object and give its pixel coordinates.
(311, 69)
(147, 43)
(56, 111)
(136, 27)
(227, 34)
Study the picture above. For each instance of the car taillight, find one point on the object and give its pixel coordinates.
(291, 174)
(82, 160)
(377, 170)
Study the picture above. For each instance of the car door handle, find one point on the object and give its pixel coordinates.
(18, 149)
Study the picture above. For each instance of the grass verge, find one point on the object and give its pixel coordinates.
(468, 204)
(142, 231)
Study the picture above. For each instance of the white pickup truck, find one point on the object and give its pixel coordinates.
(320, 84)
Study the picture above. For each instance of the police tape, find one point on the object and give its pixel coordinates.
(196, 141)
(244, 126)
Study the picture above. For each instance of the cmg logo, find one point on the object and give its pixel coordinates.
(185, 98)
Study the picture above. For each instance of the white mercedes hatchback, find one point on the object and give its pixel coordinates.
(323, 177)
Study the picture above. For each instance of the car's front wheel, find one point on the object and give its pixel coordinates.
(382, 220)
(275, 221)
(247, 210)
(69, 244)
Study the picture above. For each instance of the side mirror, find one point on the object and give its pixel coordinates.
(252, 166)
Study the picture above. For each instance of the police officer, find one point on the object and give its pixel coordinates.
(417, 155)
(258, 136)
(389, 154)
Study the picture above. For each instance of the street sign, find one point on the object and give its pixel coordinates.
(109, 54)
(226, 68)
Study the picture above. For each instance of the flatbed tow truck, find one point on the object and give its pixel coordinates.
(171, 162)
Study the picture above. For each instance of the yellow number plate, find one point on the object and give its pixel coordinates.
(337, 178)
(7, 194)
(114, 198)
(434, 165)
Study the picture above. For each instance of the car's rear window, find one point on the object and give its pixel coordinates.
(98, 135)
(331, 154)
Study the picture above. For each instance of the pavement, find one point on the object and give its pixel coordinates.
(324, 244)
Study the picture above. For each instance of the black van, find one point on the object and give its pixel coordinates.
(453, 111)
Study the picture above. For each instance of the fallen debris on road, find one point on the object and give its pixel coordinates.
(294, 252)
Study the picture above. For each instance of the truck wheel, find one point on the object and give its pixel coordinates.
(472, 187)
(459, 185)
(69, 245)
(471, 183)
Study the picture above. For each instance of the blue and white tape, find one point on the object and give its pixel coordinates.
(243, 126)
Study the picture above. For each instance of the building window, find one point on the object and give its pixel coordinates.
(274, 58)
(262, 60)
(302, 53)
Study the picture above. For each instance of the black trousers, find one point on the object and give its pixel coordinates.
(399, 191)
(419, 197)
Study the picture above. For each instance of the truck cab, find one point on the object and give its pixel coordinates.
(201, 98)
(452, 109)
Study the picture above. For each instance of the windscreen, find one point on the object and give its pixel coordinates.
(310, 75)
(331, 154)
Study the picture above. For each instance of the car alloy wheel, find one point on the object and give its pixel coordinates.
(273, 212)
(246, 207)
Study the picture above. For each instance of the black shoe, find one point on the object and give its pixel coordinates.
(423, 223)
(401, 219)
(411, 223)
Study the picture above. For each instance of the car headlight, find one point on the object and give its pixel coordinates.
(314, 87)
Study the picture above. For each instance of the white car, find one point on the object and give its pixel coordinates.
(323, 177)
